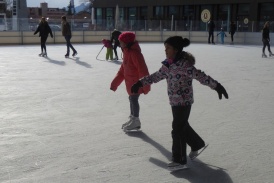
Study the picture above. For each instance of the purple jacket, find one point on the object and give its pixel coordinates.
(179, 76)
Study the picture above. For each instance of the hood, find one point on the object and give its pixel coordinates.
(189, 57)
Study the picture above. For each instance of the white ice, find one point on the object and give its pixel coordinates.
(60, 122)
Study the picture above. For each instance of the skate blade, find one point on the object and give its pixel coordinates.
(200, 152)
(132, 130)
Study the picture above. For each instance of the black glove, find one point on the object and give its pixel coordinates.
(221, 91)
(136, 86)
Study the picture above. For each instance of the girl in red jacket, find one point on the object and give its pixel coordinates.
(132, 69)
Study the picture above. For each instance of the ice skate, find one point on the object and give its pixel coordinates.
(74, 54)
(41, 54)
(45, 54)
(271, 54)
(173, 166)
(264, 55)
(193, 154)
(134, 124)
(66, 55)
(128, 122)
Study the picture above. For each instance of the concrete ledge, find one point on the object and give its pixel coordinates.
(27, 37)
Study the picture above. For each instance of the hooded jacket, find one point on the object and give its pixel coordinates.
(132, 69)
(179, 76)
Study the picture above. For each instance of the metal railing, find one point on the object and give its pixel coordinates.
(134, 25)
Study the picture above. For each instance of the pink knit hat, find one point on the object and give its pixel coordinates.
(127, 37)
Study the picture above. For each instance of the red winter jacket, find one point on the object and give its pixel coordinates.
(132, 69)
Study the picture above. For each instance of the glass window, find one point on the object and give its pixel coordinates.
(266, 11)
(99, 16)
(158, 12)
(173, 10)
(132, 13)
(243, 9)
(143, 13)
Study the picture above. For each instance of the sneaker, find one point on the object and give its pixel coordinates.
(193, 154)
(176, 166)
(128, 122)
(134, 124)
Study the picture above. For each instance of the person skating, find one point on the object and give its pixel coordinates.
(44, 30)
(211, 27)
(114, 37)
(223, 35)
(108, 45)
(179, 71)
(266, 39)
(132, 69)
(232, 31)
(66, 32)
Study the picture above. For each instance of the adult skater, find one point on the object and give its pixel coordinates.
(132, 69)
(114, 37)
(179, 71)
(44, 30)
(266, 39)
(66, 32)
(232, 31)
(211, 27)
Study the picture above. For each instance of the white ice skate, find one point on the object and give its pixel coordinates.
(173, 166)
(128, 122)
(134, 125)
(193, 154)
(264, 55)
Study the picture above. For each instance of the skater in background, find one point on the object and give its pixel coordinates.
(132, 69)
(66, 32)
(114, 37)
(266, 39)
(232, 31)
(211, 27)
(108, 45)
(223, 35)
(44, 30)
(179, 71)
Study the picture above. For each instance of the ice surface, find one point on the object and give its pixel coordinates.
(60, 122)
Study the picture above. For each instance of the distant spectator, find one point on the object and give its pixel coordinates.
(211, 27)
(232, 31)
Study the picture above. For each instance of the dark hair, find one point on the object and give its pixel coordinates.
(177, 42)
(64, 17)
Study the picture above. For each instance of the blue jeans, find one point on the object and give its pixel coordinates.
(69, 45)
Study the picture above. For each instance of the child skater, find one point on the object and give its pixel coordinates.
(108, 45)
(179, 71)
(132, 69)
(223, 35)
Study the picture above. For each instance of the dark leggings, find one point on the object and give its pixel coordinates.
(182, 134)
(43, 43)
(134, 105)
(232, 36)
(266, 43)
(115, 49)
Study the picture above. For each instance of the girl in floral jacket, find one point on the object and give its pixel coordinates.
(132, 69)
(179, 71)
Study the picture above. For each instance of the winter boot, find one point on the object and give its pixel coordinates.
(128, 122)
(134, 124)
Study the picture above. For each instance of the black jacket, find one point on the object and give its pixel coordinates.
(211, 26)
(114, 36)
(43, 29)
(266, 33)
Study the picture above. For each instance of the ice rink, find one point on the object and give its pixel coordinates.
(60, 122)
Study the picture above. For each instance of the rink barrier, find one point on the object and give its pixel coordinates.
(27, 37)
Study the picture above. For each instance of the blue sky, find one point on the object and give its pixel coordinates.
(52, 3)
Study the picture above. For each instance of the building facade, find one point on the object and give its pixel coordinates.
(257, 11)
